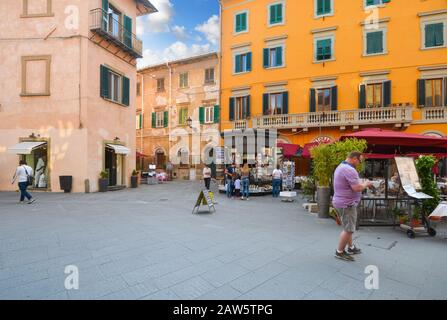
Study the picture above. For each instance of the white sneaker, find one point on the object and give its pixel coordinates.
(31, 201)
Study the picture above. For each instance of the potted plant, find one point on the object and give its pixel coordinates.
(403, 219)
(134, 179)
(323, 169)
(415, 218)
(103, 181)
(424, 166)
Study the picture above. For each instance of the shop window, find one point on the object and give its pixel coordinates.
(37, 8)
(36, 75)
(38, 160)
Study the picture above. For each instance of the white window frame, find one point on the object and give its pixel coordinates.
(269, 8)
(209, 114)
(234, 22)
(433, 20)
(368, 7)
(319, 37)
(240, 110)
(366, 31)
(112, 86)
(276, 94)
(274, 46)
(443, 93)
(159, 119)
(318, 16)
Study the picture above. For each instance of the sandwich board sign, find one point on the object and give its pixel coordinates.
(204, 198)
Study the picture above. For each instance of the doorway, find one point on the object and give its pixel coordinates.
(114, 166)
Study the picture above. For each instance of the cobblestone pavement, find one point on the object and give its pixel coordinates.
(145, 244)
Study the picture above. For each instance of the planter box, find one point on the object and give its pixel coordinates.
(66, 183)
(103, 185)
(134, 182)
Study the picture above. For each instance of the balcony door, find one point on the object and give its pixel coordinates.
(324, 100)
(114, 22)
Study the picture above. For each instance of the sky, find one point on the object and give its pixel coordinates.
(181, 28)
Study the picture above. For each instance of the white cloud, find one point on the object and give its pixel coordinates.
(211, 29)
(159, 21)
(179, 32)
(149, 58)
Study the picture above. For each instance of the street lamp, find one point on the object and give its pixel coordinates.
(189, 122)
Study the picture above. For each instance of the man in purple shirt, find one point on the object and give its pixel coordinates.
(347, 195)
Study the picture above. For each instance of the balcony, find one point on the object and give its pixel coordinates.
(240, 124)
(399, 116)
(114, 32)
(433, 115)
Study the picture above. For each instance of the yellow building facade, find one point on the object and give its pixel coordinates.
(317, 69)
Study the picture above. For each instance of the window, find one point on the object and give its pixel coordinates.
(160, 85)
(114, 86)
(241, 108)
(324, 49)
(242, 62)
(275, 103)
(323, 8)
(209, 75)
(114, 22)
(139, 121)
(324, 100)
(434, 35)
(276, 13)
(374, 94)
(159, 119)
(433, 93)
(183, 116)
(36, 75)
(375, 42)
(184, 80)
(369, 3)
(37, 8)
(209, 114)
(274, 57)
(241, 22)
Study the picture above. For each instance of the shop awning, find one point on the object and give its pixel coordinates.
(25, 147)
(289, 150)
(119, 149)
(140, 155)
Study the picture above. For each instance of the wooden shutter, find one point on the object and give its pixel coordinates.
(438, 32)
(248, 114)
(104, 82)
(238, 66)
(232, 105)
(279, 56)
(387, 94)
(429, 35)
(166, 119)
(126, 91)
(362, 96)
(279, 17)
(421, 93)
(154, 120)
(334, 98)
(285, 103)
(265, 104)
(273, 14)
(244, 22)
(216, 114)
(202, 115)
(238, 22)
(105, 16)
(128, 31)
(312, 101)
(266, 57)
(249, 55)
(320, 7)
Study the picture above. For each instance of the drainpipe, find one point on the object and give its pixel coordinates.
(142, 114)
(169, 110)
(220, 73)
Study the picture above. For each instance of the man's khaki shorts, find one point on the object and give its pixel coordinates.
(348, 217)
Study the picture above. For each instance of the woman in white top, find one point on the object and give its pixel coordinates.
(276, 183)
(207, 176)
(23, 171)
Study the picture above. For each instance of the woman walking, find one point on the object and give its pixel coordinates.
(24, 174)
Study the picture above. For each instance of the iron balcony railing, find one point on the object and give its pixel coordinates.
(113, 30)
(389, 115)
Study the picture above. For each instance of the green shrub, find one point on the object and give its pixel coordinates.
(104, 175)
(424, 166)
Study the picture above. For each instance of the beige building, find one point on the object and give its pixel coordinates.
(67, 89)
(178, 115)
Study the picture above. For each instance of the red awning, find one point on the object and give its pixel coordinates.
(289, 150)
(308, 147)
(140, 155)
(376, 136)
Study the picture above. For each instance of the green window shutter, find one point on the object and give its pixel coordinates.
(216, 114)
(374, 41)
(429, 35)
(266, 58)
(243, 22)
(421, 93)
(265, 104)
(285, 103)
(327, 6)
(362, 96)
(324, 49)
(370, 2)
(202, 115)
(231, 109)
(320, 5)
(279, 56)
(387, 94)
(154, 120)
(312, 101)
(438, 34)
(238, 23)
(248, 111)
(238, 67)
(104, 82)
(128, 31)
(328, 49)
(249, 57)
(272, 14)
(166, 119)
(334, 98)
(279, 13)
(105, 17)
(126, 91)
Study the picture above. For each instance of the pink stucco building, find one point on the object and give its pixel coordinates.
(68, 90)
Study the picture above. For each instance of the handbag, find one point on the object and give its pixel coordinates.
(29, 179)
